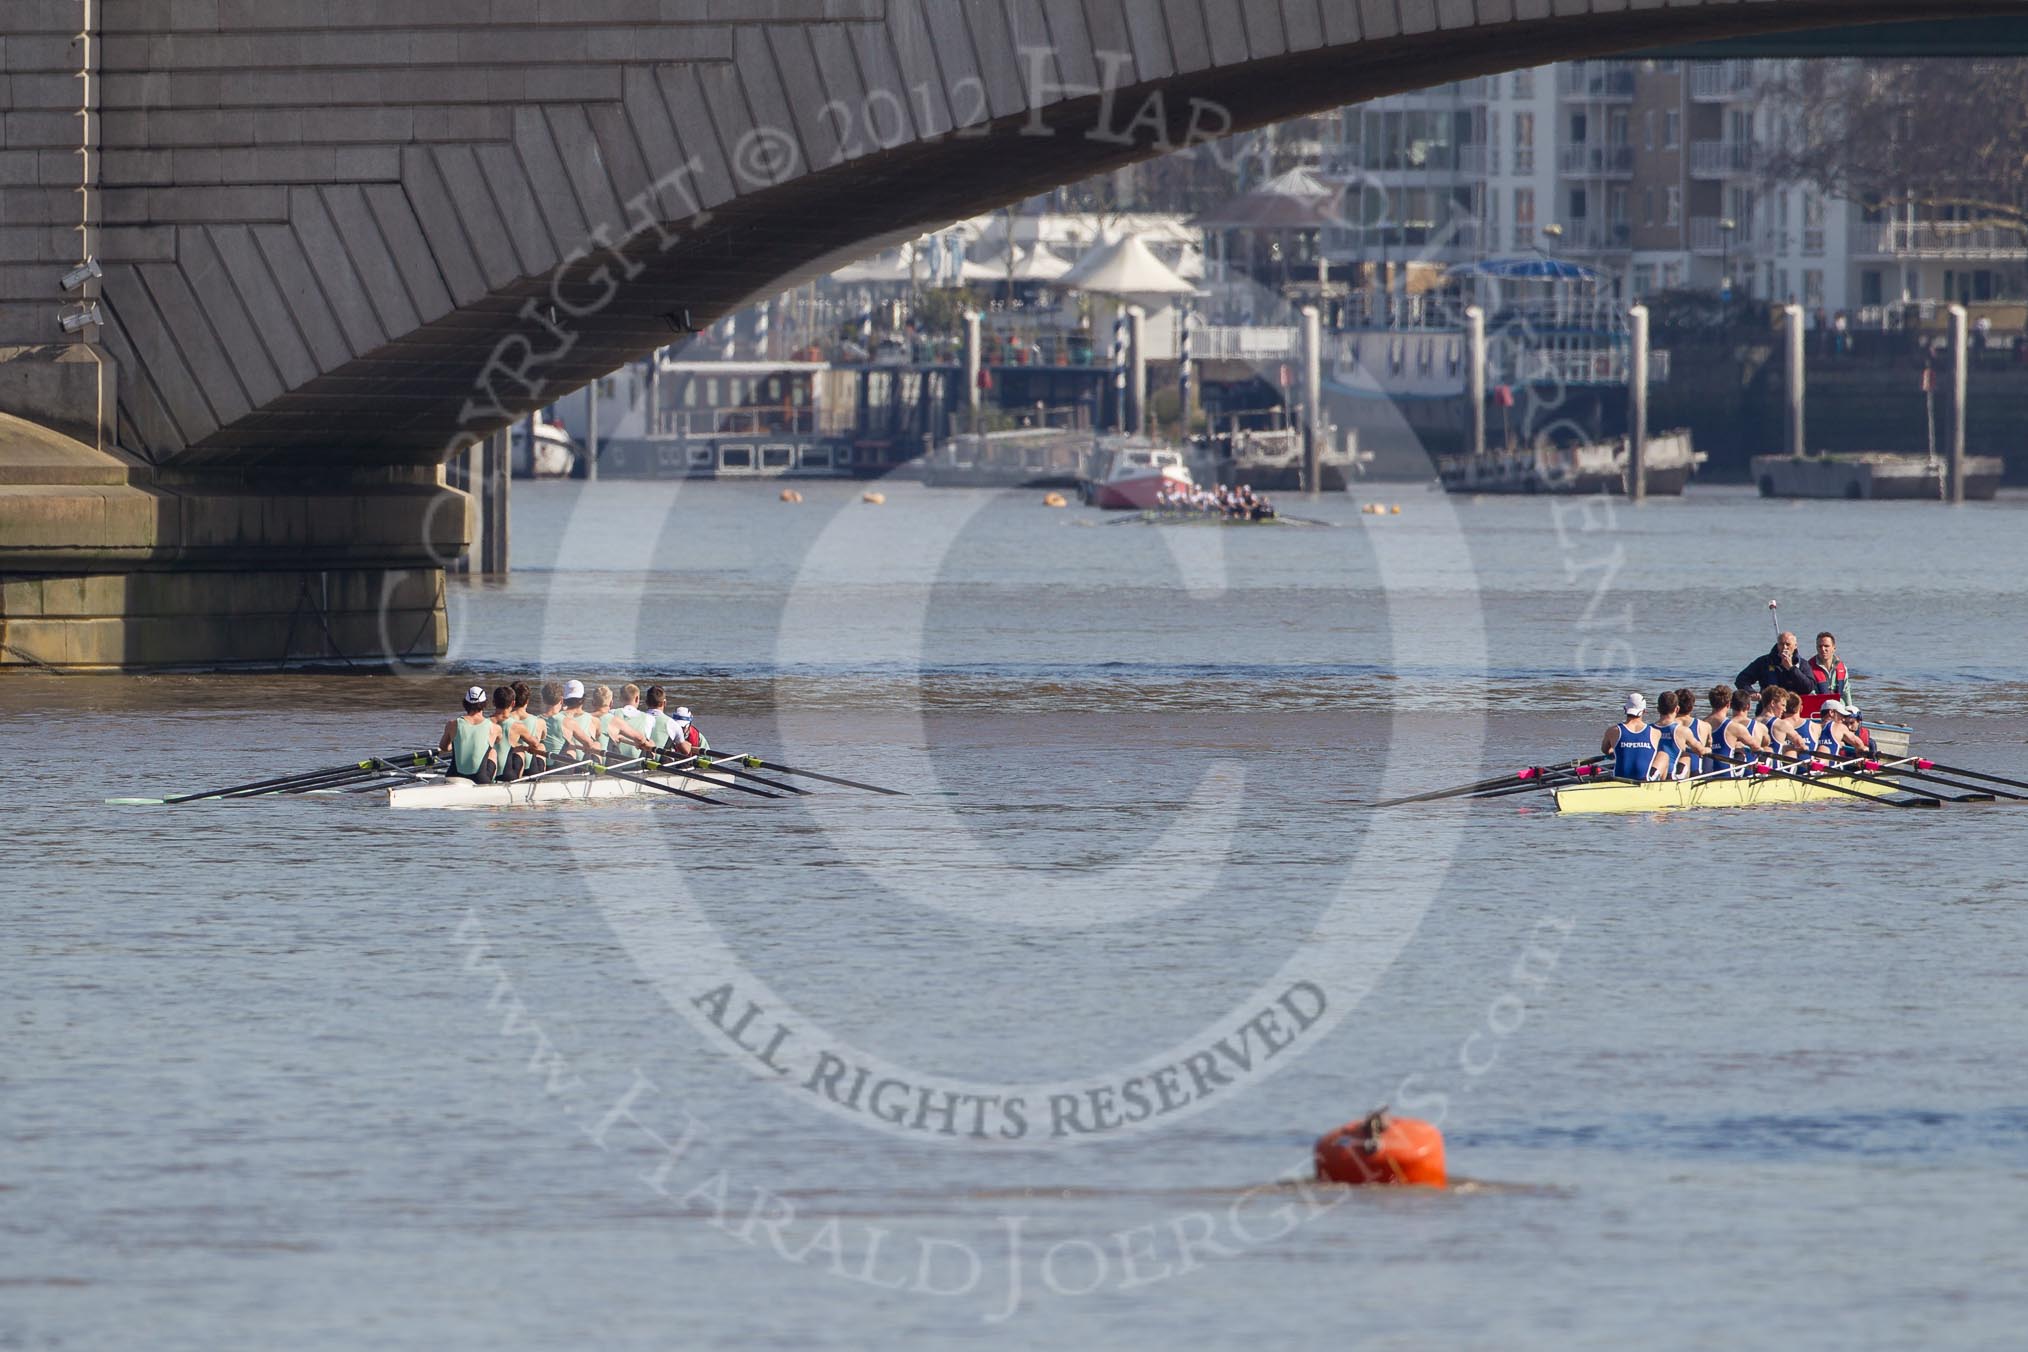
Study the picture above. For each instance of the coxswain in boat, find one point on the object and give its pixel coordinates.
(1775, 667)
(686, 728)
(1825, 673)
(1632, 743)
(470, 741)
(617, 742)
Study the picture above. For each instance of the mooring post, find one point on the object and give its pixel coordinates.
(1637, 407)
(1792, 317)
(1313, 401)
(591, 431)
(1137, 378)
(1960, 385)
(1475, 386)
(974, 363)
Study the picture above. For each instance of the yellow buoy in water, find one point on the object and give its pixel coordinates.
(791, 495)
(1056, 500)
(1395, 510)
(875, 498)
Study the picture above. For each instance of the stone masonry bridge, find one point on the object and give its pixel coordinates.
(339, 239)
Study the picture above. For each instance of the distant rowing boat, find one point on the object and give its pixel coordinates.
(1759, 791)
(437, 792)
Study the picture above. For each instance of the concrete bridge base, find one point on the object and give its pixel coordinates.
(108, 563)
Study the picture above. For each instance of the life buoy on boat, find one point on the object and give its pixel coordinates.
(1383, 1150)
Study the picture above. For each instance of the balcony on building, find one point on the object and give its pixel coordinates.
(1939, 239)
(1596, 81)
(1720, 81)
(1723, 159)
(1593, 237)
(1461, 238)
(1475, 160)
(1708, 235)
(1585, 160)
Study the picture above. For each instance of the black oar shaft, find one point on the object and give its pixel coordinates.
(329, 779)
(393, 756)
(665, 788)
(1520, 781)
(1979, 775)
(812, 774)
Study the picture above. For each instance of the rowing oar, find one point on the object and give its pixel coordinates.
(1564, 778)
(757, 763)
(708, 763)
(340, 779)
(1918, 797)
(1979, 792)
(703, 762)
(390, 761)
(1530, 777)
(645, 782)
(1974, 774)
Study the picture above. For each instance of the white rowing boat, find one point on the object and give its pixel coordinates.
(436, 791)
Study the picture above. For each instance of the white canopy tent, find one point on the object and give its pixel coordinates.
(1127, 267)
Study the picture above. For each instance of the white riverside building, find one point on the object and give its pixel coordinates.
(1650, 172)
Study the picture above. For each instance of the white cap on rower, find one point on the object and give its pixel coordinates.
(1637, 703)
(573, 689)
(476, 695)
(682, 715)
(1832, 706)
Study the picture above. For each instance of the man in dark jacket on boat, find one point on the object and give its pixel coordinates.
(1776, 667)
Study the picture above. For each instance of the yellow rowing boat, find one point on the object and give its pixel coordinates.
(1621, 796)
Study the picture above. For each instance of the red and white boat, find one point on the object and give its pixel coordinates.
(1138, 475)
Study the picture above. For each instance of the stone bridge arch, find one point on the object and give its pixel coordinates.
(339, 240)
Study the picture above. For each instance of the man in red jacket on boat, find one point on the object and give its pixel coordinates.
(1825, 672)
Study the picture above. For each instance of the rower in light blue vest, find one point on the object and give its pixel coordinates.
(1632, 744)
(661, 727)
(470, 740)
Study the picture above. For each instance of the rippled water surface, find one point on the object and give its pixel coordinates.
(313, 1073)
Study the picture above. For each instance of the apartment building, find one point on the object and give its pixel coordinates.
(1450, 174)
(1652, 172)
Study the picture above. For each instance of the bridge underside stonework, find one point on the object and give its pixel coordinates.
(339, 241)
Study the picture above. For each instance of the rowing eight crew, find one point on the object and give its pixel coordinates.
(1739, 733)
(499, 739)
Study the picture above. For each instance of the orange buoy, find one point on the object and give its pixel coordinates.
(1055, 500)
(875, 499)
(1383, 1150)
(791, 495)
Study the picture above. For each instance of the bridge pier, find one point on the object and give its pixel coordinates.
(109, 563)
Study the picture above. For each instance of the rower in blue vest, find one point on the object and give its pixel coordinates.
(1667, 723)
(1735, 741)
(1693, 737)
(1843, 732)
(1632, 743)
